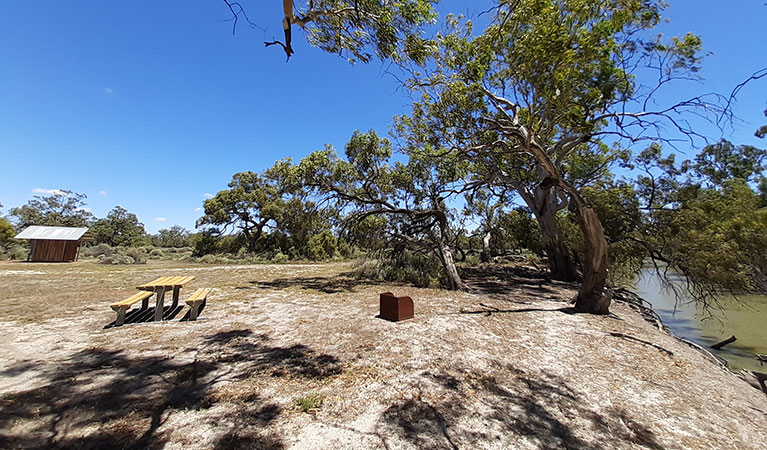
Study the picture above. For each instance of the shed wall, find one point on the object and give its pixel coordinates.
(54, 251)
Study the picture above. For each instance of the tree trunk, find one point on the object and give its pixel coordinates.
(561, 261)
(454, 282)
(485, 255)
(592, 297)
(545, 206)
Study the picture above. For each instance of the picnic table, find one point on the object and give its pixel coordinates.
(160, 286)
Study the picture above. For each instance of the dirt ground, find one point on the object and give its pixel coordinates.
(292, 356)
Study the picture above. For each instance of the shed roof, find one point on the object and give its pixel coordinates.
(54, 233)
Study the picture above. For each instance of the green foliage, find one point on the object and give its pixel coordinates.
(518, 229)
(107, 254)
(720, 237)
(7, 232)
(363, 29)
(421, 270)
(389, 206)
(175, 236)
(322, 246)
(761, 132)
(119, 227)
(63, 209)
(705, 218)
(204, 243)
(10, 248)
(310, 403)
(724, 161)
(267, 213)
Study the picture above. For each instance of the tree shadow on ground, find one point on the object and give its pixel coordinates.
(493, 279)
(542, 410)
(326, 285)
(488, 310)
(117, 399)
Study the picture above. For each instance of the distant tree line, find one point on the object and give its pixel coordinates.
(69, 209)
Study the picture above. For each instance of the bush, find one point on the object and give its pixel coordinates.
(14, 252)
(138, 255)
(98, 250)
(418, 270)
(280, 258)
(116, 259)
(321, 246)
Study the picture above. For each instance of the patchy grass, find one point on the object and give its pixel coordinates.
(310, 404)
(504, 366)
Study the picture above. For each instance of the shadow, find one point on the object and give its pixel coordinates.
(138, 315)
(115, 399)
(542, 410)
(327, 285)
(188, 316)
(488, 311)
(499, 279)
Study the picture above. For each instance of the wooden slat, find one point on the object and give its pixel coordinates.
(151, 283)
(166, 281)
(171, 281)
(199, 294)
(134, 298)
(186, 280)
(178, 280)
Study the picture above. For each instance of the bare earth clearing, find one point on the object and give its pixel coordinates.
(527, 375)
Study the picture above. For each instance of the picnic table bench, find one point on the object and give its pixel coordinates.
(122, 306)
(160, 286)
(197, 302)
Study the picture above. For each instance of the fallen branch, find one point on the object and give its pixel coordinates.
(762, 358)
(729, 340)
(632, 338)
(720, 361)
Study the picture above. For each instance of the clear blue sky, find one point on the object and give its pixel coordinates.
(153, 104)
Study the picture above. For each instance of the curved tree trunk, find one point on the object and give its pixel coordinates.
(592, 297)
(454, 281)
(485, 255)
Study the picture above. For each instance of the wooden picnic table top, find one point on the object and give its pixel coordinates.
(166, 282)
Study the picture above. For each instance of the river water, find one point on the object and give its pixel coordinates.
(746, 318)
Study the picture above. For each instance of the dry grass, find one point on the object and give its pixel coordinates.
(505, 366)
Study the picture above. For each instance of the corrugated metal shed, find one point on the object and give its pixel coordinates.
(54, 233)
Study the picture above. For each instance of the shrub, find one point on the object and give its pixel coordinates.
(98, 250)
(416, 269)
(116, 259)
(138, 255)
(14, 252)
(321, 246)
(280, 258)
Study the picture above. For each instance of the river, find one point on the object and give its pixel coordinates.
(746, 318)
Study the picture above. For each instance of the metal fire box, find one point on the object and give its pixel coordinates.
(395, 308)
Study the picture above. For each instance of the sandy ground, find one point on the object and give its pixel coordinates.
(506, 366)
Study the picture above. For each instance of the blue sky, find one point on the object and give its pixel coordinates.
(152, 105)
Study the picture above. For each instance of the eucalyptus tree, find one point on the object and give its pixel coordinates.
(61, 208)
(547, 78)
(119, 227)
(356, 29)
(259, 204)
(409, 200)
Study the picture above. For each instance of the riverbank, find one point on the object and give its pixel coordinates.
(294, 357)
(744, 317)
